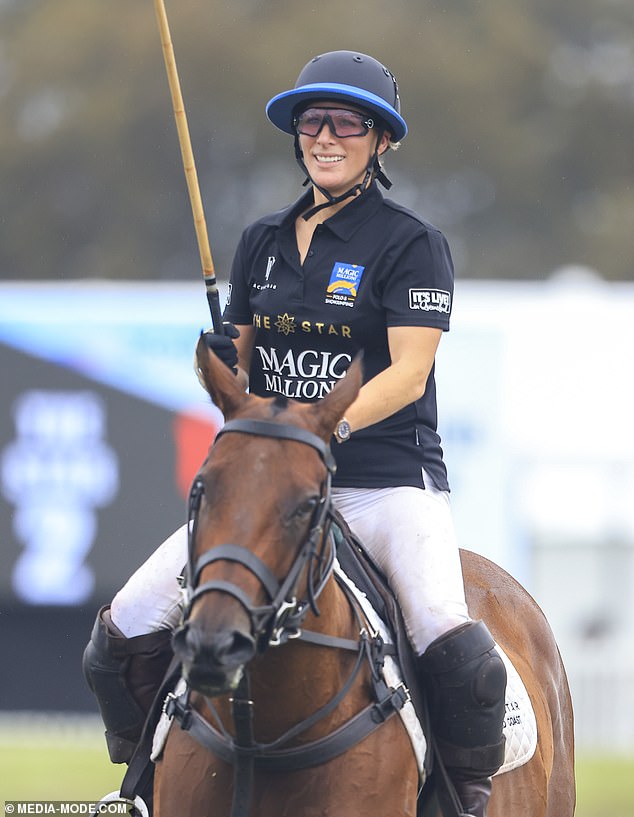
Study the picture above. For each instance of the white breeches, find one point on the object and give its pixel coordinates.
(408, 532)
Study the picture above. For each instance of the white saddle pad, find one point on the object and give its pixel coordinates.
(520, 726)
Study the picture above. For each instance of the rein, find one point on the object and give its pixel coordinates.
(274, 624)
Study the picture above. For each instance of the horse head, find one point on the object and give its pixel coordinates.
(259, 513)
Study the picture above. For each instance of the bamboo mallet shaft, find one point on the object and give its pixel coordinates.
(189, 165)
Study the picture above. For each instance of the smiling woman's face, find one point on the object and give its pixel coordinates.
(338, 164)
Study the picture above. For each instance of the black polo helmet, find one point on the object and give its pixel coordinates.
(347, 76)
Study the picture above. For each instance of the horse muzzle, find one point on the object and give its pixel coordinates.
(212, 661)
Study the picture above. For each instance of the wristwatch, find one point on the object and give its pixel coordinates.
(342, 430)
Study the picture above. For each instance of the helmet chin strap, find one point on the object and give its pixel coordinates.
(373, 168)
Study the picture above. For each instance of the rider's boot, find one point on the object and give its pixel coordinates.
(125, 675)
(465, 681)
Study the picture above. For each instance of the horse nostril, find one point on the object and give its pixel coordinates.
(232, 647)
(227, 648)
(242, 647)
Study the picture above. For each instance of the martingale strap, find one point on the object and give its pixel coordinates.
(298, 757)
(388, 701)
(242, 710)
(246, 755)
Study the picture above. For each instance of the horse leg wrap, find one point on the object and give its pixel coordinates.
(465, 680)
(125, 675)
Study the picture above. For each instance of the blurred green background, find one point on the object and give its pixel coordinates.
(38, 767)
(521, 120)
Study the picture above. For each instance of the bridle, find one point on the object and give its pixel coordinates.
(280, 619)
(275, 623)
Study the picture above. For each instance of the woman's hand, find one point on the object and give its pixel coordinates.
(223, 346)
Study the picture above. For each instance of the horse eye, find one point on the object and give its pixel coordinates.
(306, 507)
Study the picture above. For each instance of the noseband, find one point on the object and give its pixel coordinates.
(280, 619)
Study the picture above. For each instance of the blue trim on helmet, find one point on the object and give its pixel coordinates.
(279, 110)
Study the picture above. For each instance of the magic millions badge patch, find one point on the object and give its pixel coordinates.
(344, 284)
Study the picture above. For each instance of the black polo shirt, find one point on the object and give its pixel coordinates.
(372, 265)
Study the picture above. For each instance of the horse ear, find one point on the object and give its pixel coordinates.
(219, 381)
(332, 407)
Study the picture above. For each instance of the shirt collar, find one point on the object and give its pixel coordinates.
(343, 223)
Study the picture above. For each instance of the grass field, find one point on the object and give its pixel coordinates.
(53, 763)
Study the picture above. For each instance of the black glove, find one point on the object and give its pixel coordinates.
(223, 345)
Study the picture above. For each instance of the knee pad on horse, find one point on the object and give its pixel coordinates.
(465, 679)
(124, 675)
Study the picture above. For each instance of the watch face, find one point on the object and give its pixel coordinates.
(343, 430)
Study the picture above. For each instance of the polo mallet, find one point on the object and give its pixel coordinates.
(189, 165)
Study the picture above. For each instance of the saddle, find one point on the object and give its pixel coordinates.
(520, 726)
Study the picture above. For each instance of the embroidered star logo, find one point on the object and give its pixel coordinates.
(285, 324)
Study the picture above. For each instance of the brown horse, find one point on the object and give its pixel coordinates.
(260, 574)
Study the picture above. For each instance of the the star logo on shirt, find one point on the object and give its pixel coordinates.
(285, 324)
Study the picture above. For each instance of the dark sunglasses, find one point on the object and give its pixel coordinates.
(341, 122)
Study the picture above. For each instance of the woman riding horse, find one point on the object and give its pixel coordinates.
(342, 271)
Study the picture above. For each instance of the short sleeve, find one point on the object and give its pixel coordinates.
(418, 290)
(238, 309)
